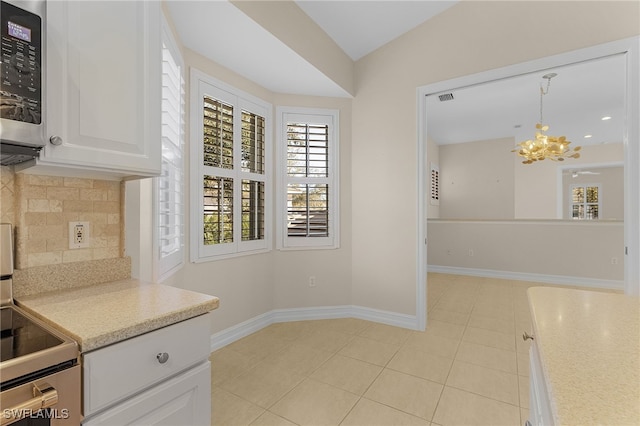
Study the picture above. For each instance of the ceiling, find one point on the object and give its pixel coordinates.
(360, 27)
(579, 96)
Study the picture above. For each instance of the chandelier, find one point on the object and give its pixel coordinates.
(555, 148)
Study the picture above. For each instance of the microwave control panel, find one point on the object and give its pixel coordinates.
(21, 59)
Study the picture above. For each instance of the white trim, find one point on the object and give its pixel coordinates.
(330, 117)
(631, 138)
(201, 84)
(245, 328)
(422, 247)
(523, 276)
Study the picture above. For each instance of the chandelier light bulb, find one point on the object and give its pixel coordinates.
(555, 148)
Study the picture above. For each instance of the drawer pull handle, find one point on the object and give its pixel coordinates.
(526, 336)
(55, 140)
(162, 357)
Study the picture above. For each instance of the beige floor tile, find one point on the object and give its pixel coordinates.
(228, 409)
(263, 385)
(299, 359)
(524, 416)
(451, 304)
(457, 407)
(523, 364)
(523, 384)
(371, 413)
(486, 356)
(346, 373)
(421, 364)
(315, 403)
(269, 419)
(368, 350)
(448, 316)
(326, 340)
(445, 329)
(347, 325)
(287, 330)
(484, 381)
(385, 333)
(494, 310)
(259, 345)
(406, 393)
(227, 364)
(432, 344)
(490, 338)
(500, 325)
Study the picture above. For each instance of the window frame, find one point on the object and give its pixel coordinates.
(585, 203)
(164, 267)
(202, 85)
(331, 117)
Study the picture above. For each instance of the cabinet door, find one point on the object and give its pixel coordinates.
(184, 400)
(104, 86)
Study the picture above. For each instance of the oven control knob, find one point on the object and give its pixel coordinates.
(55, 140)
(162, 357)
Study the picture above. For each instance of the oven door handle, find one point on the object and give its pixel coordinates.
(44, 396)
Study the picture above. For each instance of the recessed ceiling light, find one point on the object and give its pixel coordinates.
(588, 136)
(606, 118)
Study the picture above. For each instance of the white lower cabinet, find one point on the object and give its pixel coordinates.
(182, 400)
(539, 403)
(159, 378)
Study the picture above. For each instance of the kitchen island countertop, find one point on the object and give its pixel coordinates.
(589, 348)
(102, 314)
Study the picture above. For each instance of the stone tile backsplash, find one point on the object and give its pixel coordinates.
(41, 207)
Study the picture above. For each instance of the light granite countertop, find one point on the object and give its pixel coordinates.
(589, 347)
(101, 314)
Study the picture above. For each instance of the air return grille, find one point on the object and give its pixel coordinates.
(445, 97)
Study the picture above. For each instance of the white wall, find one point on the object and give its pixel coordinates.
(376, 264)
(331, 268)
(531, 202)
(468, 38)
(250, 286)
(611, 196)
(477, 180)
(577, 251)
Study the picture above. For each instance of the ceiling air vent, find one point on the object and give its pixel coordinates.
(446, 97)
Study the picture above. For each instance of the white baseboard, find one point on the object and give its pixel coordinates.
(238, 331)
(523, 276)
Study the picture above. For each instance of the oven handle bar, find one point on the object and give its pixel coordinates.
(44, 396)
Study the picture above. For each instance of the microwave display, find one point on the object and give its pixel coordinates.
(19, 31)
(21, 73)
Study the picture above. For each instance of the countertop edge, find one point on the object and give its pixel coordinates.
(51, 308)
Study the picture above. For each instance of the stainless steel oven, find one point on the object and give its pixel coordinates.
(39, 370)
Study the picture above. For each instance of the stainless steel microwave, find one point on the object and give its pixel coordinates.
(22, 80)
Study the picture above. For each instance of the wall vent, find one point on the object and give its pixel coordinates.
(446, 97)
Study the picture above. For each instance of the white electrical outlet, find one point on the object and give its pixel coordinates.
(312, 281)
(78, 235)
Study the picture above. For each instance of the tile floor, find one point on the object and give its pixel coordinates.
(469, 368)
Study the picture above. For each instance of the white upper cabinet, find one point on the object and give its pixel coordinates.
(103, 89)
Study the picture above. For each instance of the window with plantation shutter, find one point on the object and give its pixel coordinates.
(230, 172)
(308, 184)
(585, 201)
(169, 186)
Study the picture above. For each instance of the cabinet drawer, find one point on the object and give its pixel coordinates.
(123, 369)
(183, 400)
